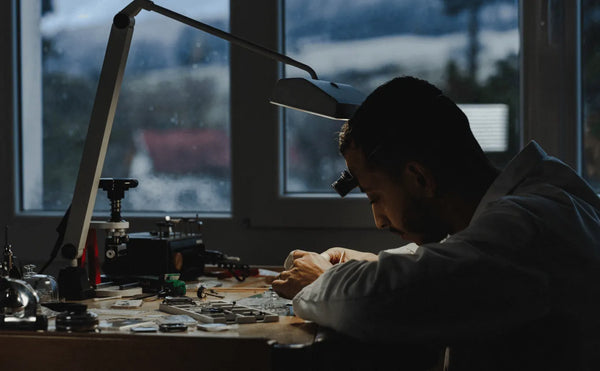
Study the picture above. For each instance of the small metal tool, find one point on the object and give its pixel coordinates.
(203, 291)
(178, 300)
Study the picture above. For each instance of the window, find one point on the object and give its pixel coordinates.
(275, 203)
(590, 65)
(467, 48)
(171, 129)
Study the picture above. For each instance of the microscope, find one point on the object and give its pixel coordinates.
(130, 256)
(116, 227)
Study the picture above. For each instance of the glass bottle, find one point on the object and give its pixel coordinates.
(45, 285)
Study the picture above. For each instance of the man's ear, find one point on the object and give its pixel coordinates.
(420, 179)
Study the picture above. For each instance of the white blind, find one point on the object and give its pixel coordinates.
(489, 124)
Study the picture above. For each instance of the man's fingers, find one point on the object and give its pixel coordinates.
(278, 282)
(299, 253)
(289, 261)
(292, 256)
(283, 287)
(281, 278)
(284, 275)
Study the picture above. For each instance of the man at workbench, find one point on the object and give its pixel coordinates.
(504, 266)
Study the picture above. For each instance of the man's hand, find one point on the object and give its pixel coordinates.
(340, 255)
(307, 267)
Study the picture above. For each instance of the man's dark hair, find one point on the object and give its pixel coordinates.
(409, 119)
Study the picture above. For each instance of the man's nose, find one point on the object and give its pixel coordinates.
(381, 220)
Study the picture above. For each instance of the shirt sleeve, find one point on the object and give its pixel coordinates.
(475, 281)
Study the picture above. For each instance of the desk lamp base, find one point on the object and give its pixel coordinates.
(73, 284)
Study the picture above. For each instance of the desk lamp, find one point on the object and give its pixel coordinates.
(336, 101)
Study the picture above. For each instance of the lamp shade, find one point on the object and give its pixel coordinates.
(318, 97)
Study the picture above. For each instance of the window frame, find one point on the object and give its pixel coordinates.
(259, 198)
(264, 224)
(551, 110)
(254, 120)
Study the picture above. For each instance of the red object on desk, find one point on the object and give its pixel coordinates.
(91, 252)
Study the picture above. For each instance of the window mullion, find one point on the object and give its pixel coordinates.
(550, 81)
(253, 119)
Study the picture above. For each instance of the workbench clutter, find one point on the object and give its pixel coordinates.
(176, 246)
(19, 301)
(19, 306)
(208, 315)
(135, 266)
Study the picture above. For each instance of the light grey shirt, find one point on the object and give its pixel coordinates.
(532, 248)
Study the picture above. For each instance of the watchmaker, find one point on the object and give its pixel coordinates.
(502, 268)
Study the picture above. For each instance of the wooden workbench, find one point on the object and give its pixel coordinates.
(255, 346)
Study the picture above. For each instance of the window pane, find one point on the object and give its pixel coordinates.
(171, 128)
(468, 48)
(590, 63)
